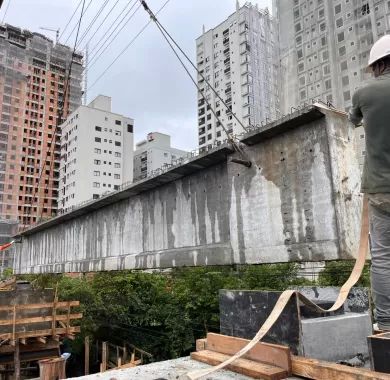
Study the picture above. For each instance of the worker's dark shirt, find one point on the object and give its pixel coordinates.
(372, 103)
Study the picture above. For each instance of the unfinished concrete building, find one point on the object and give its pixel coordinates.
(324, 47)
(238, 58)
(32, 88)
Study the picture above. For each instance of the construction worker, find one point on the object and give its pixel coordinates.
(371, 104)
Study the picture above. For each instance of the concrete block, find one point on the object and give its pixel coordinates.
(337, 337)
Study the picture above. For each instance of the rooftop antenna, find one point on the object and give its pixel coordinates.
(53, 30)
(237, 5)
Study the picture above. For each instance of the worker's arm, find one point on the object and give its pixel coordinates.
(355, 113)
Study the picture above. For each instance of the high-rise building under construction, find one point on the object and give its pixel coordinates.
(238, 58)
(33, 77)
(324, 49)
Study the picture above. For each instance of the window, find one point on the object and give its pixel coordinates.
(300, 54)
(117, 176)
(118, 122)
(99, 129)
(98, 139)
(117, 133)
(328, 84)
(96, 173)
(130, 128)
(342, 51)
(344, 65)
(97, 162)
(337, 9)
(345, 80)
(117, 143)
(347, 96)
(339, 23)
(96, 184)
(298, 27)
(117, 154)
(340, 37)
(117, 165)
(95, 196)
(97, 150)
(322, 27)
(321, 13)
(303, 94)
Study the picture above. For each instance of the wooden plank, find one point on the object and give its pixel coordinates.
(379, 350)
(243, 366)
(320, 370)
(48, 318)
(33, 334)
(272, 354)
(59, 305)
(29, 347)
(201, 344)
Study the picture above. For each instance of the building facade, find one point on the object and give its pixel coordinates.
(32, 87)
(324, 50)
(153, 153)
(239, 58)
(96, 153)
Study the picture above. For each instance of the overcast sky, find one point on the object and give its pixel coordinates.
(147, 83)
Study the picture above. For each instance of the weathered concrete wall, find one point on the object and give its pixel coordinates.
(298, 202)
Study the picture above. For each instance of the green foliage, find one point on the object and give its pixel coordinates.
(163, 313)
(336, 273)
(7, 273)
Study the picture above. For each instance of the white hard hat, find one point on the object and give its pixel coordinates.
(380, 49)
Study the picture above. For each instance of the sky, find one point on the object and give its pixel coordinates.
(147, 82)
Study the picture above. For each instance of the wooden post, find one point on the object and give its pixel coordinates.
(124, 354)
(86, 355)
(117, 356)
(104, 357)
(17, 360)
(14, 324)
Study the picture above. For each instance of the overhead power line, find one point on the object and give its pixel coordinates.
(94, 52)
(96, 58)
(70, 20)
(88, 28)
(101, 24)
(77, 25)
(126, 47)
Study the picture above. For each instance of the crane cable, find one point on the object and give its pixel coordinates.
(165, 34)
(154, 18)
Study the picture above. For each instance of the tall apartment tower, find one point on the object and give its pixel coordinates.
(96, 153)
(324, 49)
(32, 87)
(239, 59)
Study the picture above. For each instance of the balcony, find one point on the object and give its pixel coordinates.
(226, 41)
(226, 51)
(226, 60)
(227, 71)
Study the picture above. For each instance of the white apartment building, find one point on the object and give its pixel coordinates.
(239, 58)
(96, 153)
(153, 153)
(324, 49)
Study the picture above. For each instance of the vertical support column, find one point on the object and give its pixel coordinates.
(103, 365)
(86, 355)
(17, 360)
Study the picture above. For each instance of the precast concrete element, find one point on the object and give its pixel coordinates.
(339, 337)
(299, 201)
(332, 336)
